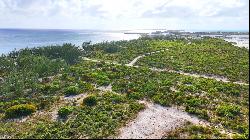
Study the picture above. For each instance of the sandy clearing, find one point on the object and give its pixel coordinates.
(155, 121)
(53, 112)
(105, 88)
(78, 98)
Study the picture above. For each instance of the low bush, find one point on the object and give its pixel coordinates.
(136, 106)
(49, 88)
(230, 111)
(20, 110)
(135, 95)
(71, 90)
(90, 100)
(86, 86)
(194, 102)
(65, 111)
(117, 99)
(202, 113)
(112, 49)
(160, 99)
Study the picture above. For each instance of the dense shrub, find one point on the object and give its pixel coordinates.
(239, 136)
(101, 78)
(112, 49)
(228, 110)
(49, 88)
(86, 86)
(41, 65)
(69, 52)
(136, 106)
(71, 90)
(117, 99)
(194, 102)
(200, 112)
(160, 99)
(65, 111)
(90, 100)
(192, 131)
(20, 110)
(135, 95)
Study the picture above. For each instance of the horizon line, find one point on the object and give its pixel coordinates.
(196, 30)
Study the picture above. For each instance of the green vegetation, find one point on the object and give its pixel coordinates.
(20, 110)
(206, 56)
(90, 100)
(65, 111)
(71, 90)
(99, 121)
(230, 111)
(119, 51)
(27, 74)
(191, 131)
(68, 52)
(199, 96)
(45, 76)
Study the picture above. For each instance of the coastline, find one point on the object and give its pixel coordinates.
(237, 43)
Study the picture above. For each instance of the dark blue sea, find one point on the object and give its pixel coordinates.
(11, 39)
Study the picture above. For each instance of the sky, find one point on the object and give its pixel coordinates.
(125, 14)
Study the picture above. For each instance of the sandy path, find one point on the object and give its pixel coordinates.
(155, 121)
(217, 78)
(138, 57)
(135, 60)
(95, 60)
(131, 64)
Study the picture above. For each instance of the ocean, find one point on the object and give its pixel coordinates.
(15, 39)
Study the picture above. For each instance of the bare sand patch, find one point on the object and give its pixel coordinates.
(78, 98)
(105, 88)
(155, 121)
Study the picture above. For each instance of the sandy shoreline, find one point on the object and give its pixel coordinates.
(239, 43)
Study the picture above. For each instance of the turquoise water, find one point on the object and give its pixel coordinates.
(11, 39)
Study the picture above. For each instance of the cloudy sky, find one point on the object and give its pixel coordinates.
(125, 14)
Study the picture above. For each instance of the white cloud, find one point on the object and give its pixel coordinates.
(121, 14)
